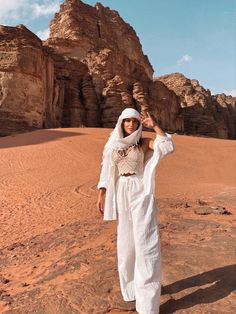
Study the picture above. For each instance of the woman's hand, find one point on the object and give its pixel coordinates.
(147, 121)
(100, 201)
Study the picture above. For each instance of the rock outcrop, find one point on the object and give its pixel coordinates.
(225, 114)
(203, 113)
(24, 80)
(89, 70)
(120, 73)
(86, 28)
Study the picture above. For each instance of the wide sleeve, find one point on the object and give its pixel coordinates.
(162, 146)
(165, 144)
(105, 170)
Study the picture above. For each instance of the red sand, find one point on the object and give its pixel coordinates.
(42, 170)
(49, 177)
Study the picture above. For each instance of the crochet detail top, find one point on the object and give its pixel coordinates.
(130, 160)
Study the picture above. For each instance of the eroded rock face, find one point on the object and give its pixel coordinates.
(121, 74)
(95, 36)
(93, 28)
(23, 79)
(166, 107)
(39, 88)
(203, 113)
(225, 107)
(74, 100)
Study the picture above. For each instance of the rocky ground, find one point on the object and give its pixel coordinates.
(58, 256)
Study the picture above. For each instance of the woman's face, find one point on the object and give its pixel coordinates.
(130, 125)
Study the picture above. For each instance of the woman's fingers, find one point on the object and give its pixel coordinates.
(100, 207)
(142, 116)
(148, 114)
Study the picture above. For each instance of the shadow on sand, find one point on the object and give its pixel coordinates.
(222, 280)
(35, 137)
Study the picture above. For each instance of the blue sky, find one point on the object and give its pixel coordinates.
(196, 38)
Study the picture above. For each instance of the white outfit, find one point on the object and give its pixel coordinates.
(138, 246)
(131, 200)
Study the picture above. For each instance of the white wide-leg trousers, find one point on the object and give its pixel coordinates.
(138, 245)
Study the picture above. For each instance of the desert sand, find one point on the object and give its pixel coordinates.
(57, 255)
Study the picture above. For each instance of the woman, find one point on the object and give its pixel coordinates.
(126, 191)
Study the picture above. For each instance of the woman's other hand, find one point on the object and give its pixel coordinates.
(100, 201)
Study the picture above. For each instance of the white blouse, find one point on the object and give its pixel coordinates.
(130, 160)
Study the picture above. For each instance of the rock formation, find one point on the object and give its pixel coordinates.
(24, 80)
(89, 70)
(225, 115)
(97, 36)
(74, 100)
(39, 88)
(203, 113)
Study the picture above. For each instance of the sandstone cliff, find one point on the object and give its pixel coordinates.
(203, 113)
(92, 67)
(97, 36)
(25, 81)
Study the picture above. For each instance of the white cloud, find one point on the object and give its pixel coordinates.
(12, 10)
(184, 58)
(44, 34)
(45, 8)
(231, 92)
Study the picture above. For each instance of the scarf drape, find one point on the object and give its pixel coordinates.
(116, 139)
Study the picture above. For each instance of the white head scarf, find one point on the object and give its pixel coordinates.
(117, 139)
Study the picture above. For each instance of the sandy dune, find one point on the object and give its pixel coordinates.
(58, 256)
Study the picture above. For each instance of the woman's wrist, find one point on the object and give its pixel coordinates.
(102, 191)
(156, 124)
(158, 130)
